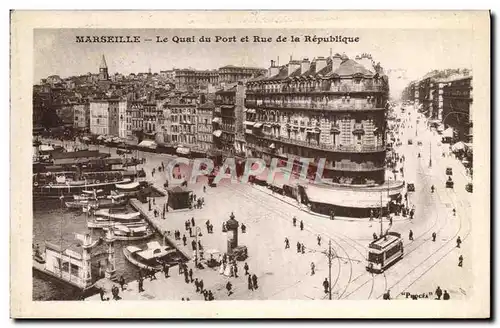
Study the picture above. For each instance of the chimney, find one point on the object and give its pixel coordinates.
(273, 70)
(336, 61)
(320, 63)
(305, 65)
(365, 61)
(293, 65)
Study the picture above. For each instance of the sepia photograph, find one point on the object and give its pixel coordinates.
(259, 163)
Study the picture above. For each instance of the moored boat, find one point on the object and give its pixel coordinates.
(153, 256)
(101, 223)
(118, 213)
(122, 232)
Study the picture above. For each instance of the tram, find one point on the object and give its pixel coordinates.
(384, 252)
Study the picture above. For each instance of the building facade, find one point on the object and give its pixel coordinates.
(136, 109)
(182, 123)
(229, 104)
(331, 108)
(99, 117)
(232, 74)
(457, 107)
(82, 116)
(204, 121)
(192, 77)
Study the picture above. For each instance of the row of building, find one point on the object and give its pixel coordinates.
(445, 97)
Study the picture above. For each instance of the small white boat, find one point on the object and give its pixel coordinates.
(152, 257)
(128, 186)
(101, 223)
(123, 232)
(117, 214)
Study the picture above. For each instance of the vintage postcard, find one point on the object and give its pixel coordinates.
(265, 164)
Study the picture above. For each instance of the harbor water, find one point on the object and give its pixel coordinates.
(54, 223)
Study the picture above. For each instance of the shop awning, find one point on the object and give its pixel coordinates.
(448, 133)
(346, 198)
(183, 150)
(216, 120)
(147, 144)
(250, 110)
(257, 125)
(249, 123)
(217, 133)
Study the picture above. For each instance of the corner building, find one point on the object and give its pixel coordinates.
(332, 108)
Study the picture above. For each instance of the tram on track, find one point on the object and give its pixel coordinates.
(384, 252)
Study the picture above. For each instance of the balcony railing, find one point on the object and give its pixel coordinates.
(352, 105)
(331, 148)
(363, 167)
(342, 88)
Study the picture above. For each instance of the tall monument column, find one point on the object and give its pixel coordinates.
(232, 234)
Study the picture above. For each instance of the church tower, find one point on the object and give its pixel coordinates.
(103, 70)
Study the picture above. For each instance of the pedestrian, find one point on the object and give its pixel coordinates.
(192, 221)
(197, 284)
(243, 228)
(298, 247)
(287, 243)
(101, 293)
(201, 286)
(410, 235)
(210, 296)
(193, 244)
(181, 266)
(387, 295)
(190, 232)
(312, 268)
(199, 245)
(166, 268)
(229, 286)
(326, 285)
(255, 282)
(303, 249)
(301, 225)
(122, 282)
(250, 284)
(439, 292)
(319, 240)
(186, 276)
(371, 214)
(235, 266)
(446, 296)
(154, 201)
(204, 189)
(433, 236)
(374, 236)
(294, 221)
(246, 268)
(205, 295)
(459, 241)
(141, 289)
(460, 260)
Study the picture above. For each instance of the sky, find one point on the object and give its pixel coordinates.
(418, 51)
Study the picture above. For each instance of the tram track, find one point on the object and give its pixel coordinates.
(307, 227)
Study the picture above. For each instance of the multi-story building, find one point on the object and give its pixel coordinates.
(204, 129)
(331, 108)
(117, 118)
(192, 77)
(231, 74)
(99, 117)
(229, 104)
(457, 107)
(151, 117)
(136, 109)
(66, 114)
(181, 131)
(82, 116)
